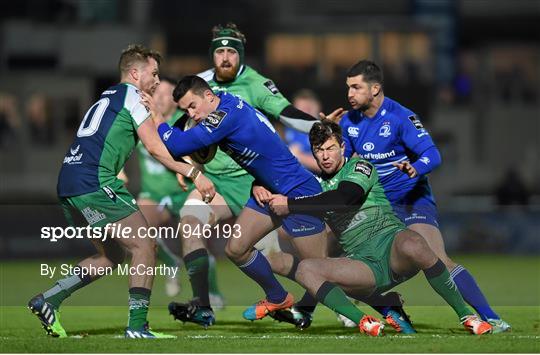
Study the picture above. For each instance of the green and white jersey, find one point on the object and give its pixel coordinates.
(256, 90)
(372, 219)
(156, 179)
(105, 140)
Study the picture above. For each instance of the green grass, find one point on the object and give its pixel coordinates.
(96, 316)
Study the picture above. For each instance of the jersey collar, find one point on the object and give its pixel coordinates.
(381, 112)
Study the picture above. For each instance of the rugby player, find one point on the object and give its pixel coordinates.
(247, 136)
(381, 251)
(88, 184)
(393, 139)
(233, 184)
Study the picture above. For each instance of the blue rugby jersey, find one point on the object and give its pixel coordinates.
(394, 134)
(248, 137)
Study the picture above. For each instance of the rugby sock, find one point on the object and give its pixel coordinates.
(139, 300)
(63, 288)
(166, 255)
(259, 270)
(471, 293)
(212, 275)
(197, 268)
(440, 280)
(307, 303)
(334, 298)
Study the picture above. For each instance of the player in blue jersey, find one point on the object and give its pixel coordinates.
(248, 137)
(394, 140)
(88, 185)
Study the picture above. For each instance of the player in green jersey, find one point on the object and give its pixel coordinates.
(163, 193)
(233, 184)
(380, 251)
(88, 185)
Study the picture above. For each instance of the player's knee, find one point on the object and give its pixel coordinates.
(305, 269)
(414, 247)
(143, 246)
(235, 250)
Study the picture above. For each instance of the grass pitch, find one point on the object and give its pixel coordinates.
(96, 316)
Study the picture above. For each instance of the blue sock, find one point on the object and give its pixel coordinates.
(260, 271)
(471, 293)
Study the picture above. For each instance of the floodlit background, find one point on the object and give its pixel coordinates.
(469, 68)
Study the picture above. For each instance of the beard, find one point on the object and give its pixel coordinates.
(365, 106)
(227, 73)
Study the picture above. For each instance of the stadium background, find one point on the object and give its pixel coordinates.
(469, 68)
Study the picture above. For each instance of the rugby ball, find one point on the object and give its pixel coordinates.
(203, 155)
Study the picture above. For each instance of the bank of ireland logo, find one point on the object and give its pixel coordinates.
(353, 131)
(384, 131)
(368, 146)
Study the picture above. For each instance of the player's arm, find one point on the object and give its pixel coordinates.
(294, 118)
(152, 142)
(417, 139)
(269, 100)
(347, 194)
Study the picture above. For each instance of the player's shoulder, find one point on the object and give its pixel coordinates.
(132, 96)
(207, 75)
(359, 166)
(396, 111)
(350, 117)
(259, 82)
(229, 106)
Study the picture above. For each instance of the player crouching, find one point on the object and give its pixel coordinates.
(381, 251)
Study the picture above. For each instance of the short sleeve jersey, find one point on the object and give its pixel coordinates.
(105, 140)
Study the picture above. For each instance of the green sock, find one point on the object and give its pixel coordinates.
(166, 255)
(197, 268)
(212, 275)
(334, 298)
(139, 300)
(440, 280)
(63, 288)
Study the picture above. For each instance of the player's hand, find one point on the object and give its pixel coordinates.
(335, 116)
(206, 187)
(181, 181)
(279, 204)
(407, 168)
(261, 194)
(148, 101)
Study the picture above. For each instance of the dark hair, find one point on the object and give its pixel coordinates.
(371, 73)
(196, 84)
(322, 131)
(136, 53)
(230, 29)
